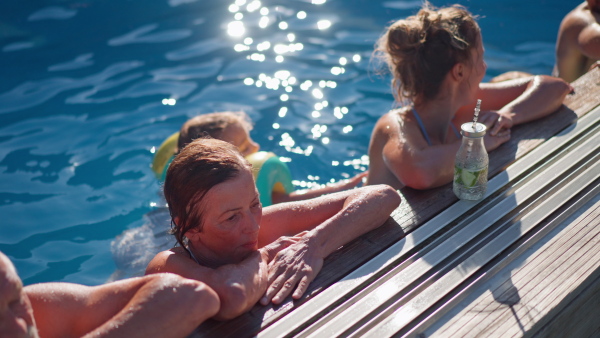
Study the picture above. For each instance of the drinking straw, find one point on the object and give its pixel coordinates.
(476, 113)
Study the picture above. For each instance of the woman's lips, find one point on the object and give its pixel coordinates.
(251, 244)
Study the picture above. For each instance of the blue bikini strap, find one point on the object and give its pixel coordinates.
(192, 255)
(456, 132)
(422, 126)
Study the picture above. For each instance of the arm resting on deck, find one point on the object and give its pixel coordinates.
(332, 221)
(239, 286)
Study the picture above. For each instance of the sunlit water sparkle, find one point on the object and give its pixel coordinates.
(88, 93)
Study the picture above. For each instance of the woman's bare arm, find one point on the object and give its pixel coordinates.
(239, 286)
(332, 220)
(305, 194)
(130, 307)
(518, 101)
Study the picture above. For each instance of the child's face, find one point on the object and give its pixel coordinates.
(237, 135)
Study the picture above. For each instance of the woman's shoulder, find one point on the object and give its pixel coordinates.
(176, 251)
(391, 117)
(166, 258)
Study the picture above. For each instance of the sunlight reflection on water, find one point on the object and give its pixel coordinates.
(91, 93)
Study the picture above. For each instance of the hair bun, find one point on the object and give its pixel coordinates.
(421, 49)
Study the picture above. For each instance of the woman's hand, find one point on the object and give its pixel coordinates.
(492, 142)
(498, 129)
(496, 122)
(269, 251)
(293, 267)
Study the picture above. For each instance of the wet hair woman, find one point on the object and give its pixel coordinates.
(436, 60)
(246, 253)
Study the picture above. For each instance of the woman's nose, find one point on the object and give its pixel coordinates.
(253, 223)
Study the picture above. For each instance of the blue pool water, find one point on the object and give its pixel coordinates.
(90, 88)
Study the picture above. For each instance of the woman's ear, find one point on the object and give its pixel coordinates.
(192, 234)
(458, 72)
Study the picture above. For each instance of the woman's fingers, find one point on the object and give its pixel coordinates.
(302, 287)
(496, 126)
(299, 280)
(285, 289)
(275, 281)
(502, 123)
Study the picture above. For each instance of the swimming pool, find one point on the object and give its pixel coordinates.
(89, 89)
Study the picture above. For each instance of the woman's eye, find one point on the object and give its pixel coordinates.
(256, 205)
(232, 217)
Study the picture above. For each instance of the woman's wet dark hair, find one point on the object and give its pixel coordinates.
(199, 166)
(421, 49)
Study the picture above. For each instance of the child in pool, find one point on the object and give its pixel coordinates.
(436, 59)
(234, 127)
(228, 241)
(578, 43)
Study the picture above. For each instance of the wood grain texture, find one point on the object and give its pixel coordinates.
(417, 207)
(527, 296)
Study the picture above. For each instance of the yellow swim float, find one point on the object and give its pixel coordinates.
(164, 155)
(270, 174)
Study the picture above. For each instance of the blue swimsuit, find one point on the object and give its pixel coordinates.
(422, 126)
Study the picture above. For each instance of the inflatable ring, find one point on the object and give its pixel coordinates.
(271, 175)
(164, 156)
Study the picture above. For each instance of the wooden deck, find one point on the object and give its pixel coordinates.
(525, 260)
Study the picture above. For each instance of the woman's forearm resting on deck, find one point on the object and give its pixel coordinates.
(360, 211)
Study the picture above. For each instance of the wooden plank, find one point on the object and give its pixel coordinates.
(542, 290)
(405, 245)
(576, 316)
(481, 308)
(397, 316)
(565, 278)
(589, 192)
(417, 207)
(522, 292)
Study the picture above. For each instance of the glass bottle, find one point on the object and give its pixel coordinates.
(471, 163)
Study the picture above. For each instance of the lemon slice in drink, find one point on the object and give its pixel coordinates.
(469, 178)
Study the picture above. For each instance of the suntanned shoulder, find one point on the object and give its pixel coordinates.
(387, 126)
(158, 264)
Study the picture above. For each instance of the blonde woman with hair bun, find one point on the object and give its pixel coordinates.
(436, 58)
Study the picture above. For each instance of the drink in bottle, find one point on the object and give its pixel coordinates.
(471, 163)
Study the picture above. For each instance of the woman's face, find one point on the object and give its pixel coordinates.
(478, 68)
(231, 221)
(237, 135)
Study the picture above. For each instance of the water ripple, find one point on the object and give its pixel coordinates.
(52, 13)
(141, 35)
(81, 61)
(198, 49)
(33, 93)
(187, 72)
